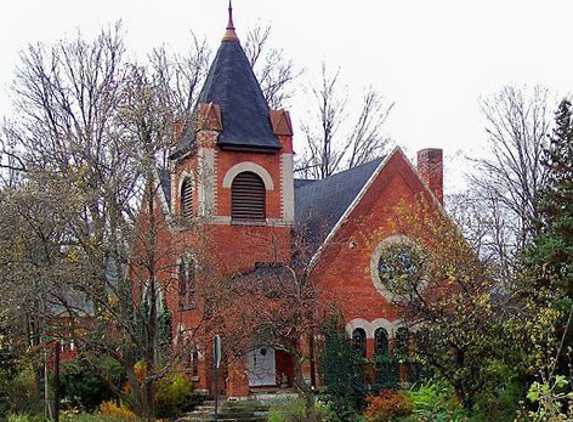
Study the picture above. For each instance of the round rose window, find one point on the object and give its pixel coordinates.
(396, 267)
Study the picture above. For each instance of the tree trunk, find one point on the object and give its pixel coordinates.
(304, 389)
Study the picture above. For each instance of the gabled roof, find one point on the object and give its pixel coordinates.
(320, 204)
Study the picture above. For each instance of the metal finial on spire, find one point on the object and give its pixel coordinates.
(230, 25)
(230, 34)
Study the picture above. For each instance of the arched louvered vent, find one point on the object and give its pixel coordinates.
(187, 199)
(247, 197)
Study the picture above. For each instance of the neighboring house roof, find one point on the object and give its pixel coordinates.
(320, 204)
(245, 114)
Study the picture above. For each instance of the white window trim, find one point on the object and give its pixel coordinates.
(248, 166)
(370, 327)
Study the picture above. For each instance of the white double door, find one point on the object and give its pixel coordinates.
(261, 367)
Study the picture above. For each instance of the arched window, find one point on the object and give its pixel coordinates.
(247, 197)
(401, 342)
(195, 363)
(359, 341)
(186, 205)
(381, 342)
(186, 276)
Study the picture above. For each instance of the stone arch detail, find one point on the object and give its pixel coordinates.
(176, 194)
(370, 326)
(252, 167)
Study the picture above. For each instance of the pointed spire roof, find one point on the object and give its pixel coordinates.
(232, 85)
(242, 111)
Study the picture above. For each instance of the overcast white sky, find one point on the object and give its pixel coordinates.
(433, 58)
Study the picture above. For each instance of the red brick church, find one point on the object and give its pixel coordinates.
(231, 174)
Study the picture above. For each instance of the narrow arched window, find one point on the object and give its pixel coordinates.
(182, 276)
(401, 342)
(186, 205)
(247, 197)
(186, 276)
(195, 363)
(359, 342)
(381, 342)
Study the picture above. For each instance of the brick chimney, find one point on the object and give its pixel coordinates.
(431, 170)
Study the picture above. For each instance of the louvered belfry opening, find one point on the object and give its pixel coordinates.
(187, 199)
(247, 197)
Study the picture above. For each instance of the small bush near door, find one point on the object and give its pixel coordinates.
(173, 395)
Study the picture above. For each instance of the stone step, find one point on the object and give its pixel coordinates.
(229, 411)
(223, 418)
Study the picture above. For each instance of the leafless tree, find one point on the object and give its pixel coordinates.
(178, 78)
(89, 134)
(328, 149)
(274, 71)
(182, 75)
(507, 184)
(483, 223)
(285, 310)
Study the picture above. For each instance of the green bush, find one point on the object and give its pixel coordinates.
(294, 410)
(173, 395)
(435, 401)
(326, 411)
(386, 373)
(342, 371)
(83, 389)
(501, 401)
(20, 417)
(287, 410)
(20, 394)
(80, 417)
(86, 417)
(23, 417)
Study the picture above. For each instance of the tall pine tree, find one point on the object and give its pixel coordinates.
(553, 249)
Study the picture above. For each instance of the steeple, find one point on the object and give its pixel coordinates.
(232, 102)
(230, 34)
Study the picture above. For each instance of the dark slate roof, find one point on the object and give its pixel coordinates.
(320, 204)
(232, 85)
(165, 183)
(187, 140)
(299, 183)
(245, 113)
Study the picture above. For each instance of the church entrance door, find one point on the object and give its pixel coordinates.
(261, 367)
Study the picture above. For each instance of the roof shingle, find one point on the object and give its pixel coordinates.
(319, 205)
